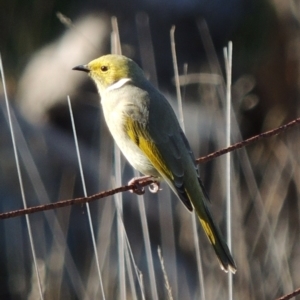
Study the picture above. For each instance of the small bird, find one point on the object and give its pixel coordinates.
(146, 129)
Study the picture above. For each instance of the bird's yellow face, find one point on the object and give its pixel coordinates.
(111, 69)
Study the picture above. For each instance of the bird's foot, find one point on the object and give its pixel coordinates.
(154, 187)
(139, 189)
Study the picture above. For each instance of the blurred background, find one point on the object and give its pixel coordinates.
(41, 41)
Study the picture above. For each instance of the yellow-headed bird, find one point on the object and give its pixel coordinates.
(145, 127)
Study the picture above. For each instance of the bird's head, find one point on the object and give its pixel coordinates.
(112, 71)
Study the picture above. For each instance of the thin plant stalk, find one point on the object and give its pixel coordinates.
(21, 181)
(181, 119)
(166, 279)
(85, 194)
(147, 243)
(116, 48)
(51, 218)
(228, 65)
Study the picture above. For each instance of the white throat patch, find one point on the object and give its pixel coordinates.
(118, 84)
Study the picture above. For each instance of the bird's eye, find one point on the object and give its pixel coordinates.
(104, 68)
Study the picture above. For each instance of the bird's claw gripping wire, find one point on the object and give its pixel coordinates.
(139, 189)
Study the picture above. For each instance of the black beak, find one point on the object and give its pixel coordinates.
(83, 68)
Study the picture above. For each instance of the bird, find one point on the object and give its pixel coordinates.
(147, 131)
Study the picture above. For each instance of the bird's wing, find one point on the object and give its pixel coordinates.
(164, 150)
(188, 147)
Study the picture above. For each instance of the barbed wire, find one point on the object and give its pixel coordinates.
(290, 296)
(251, 140)
(144, 182)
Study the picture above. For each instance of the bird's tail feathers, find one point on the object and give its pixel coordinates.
(214, 235)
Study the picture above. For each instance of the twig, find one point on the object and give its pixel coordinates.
(290, 296)
(142, 183)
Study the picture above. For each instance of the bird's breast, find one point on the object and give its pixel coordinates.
(116, 121)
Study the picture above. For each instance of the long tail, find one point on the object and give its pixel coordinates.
(214, 235)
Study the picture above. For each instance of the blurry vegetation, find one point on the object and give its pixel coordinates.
(266, 223)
